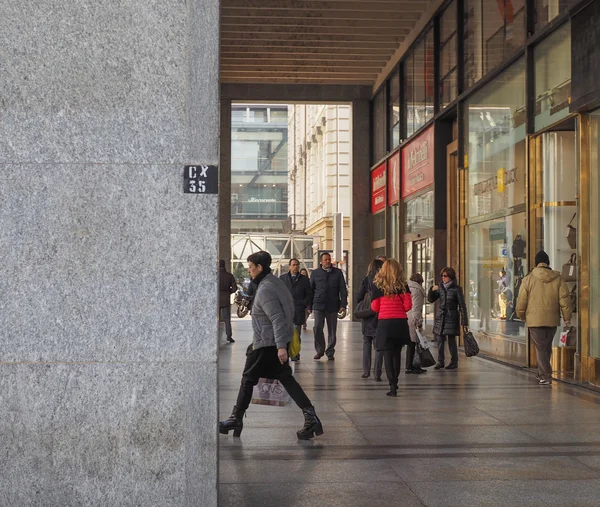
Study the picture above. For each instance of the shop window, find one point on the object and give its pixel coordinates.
(495, 145)
(378, 126)
(496, 265)
(496, 235)
(379, 227)
(394, 231)
(448, 66)
(419, 85)
(555, 203)
(494, 30)
(394, 110)
(547, 10)
(553, 78)
(418, 214)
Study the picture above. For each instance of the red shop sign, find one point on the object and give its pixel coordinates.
(417, 164)
(393, 182)
(378, 189)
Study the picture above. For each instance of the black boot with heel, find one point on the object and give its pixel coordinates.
(312, 425)
(235, 423)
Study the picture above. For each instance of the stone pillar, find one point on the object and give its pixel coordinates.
(361, 195)
(108, 289)
(225, 183)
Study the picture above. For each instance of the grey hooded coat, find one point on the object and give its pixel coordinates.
(415, 316)
(272, 314)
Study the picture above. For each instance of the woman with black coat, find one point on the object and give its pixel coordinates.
(450, 312)
(369, 325)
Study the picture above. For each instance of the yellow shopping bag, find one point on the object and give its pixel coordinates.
(294, 345)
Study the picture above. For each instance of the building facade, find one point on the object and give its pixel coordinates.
(485, 151)
(320, 169)
(259, 172)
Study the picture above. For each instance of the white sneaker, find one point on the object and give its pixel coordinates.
(544, 382)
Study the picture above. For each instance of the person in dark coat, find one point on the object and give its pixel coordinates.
(299, 286)
(369, 325)
(329, 294)
(227, 287)
(450, 312)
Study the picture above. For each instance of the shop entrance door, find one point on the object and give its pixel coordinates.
(554, 217)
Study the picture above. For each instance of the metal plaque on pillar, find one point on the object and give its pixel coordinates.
(200, 179)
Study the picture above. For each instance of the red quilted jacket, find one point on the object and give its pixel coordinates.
(392, 307)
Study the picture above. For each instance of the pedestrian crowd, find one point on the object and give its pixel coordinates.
(391, 309)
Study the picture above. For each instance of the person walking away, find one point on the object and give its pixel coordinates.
(304, 272)
(415, 320)
(369, 325)
(227, 287)
(450, 311)
(329, 295)
(543, 296)
(391, 302)
(272, 326)
(299, 287)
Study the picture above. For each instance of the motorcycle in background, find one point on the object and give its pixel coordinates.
(242, 300)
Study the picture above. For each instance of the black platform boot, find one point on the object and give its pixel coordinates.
(235, 423)
(312, 425)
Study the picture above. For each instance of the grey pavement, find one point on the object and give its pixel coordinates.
(483, 435)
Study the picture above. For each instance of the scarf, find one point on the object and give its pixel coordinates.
(448, 284)
(264, 273)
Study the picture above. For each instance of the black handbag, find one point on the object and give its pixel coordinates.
(571, 234)
(470, 343)
(363, 309)
(423, 357)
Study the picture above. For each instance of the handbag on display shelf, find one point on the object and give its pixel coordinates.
(569, 270)
(571, 234)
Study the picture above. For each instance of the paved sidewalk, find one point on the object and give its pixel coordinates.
(482, 435)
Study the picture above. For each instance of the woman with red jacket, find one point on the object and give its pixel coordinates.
(391, 301)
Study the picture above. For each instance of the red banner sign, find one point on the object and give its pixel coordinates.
(393, 182)
(378, 189)
(417, 164)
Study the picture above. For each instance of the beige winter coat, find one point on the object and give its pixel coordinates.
(415, 315)
(542, 297)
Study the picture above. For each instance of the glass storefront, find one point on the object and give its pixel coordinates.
(494, 30)
(419, 87)
(553, 78)
(547, 10)
(496, 231)
(448, 65)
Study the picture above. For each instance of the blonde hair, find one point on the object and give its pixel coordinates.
(390, 279)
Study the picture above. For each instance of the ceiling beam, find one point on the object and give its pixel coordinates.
(334, 30)
(316, 38)
(241, 21)
(309, 14)
(313, 5)
(309, 44)
(297, 51)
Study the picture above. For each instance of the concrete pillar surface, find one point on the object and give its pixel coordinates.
(108, 294)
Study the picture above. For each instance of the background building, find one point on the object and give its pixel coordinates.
(319, 171)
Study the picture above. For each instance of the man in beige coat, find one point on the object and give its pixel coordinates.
(542, 297)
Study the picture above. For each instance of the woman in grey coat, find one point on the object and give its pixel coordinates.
(415, 319)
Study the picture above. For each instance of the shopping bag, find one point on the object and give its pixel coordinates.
(564, 336)
(270, 392)
(424, 342)
(423, 357)
(470, 344)
(294, 345)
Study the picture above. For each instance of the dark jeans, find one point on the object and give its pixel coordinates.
(367, 351)
(320, 318)
(392, 358)
(542, 338)
(265, 363)
(225, 314)
(452, 346)
(410, 355)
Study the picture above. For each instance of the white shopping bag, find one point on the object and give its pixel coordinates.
(424, 342)
(562, 342)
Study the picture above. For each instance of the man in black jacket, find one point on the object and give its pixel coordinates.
(329, 295)
(227, 286)
(299, 286)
